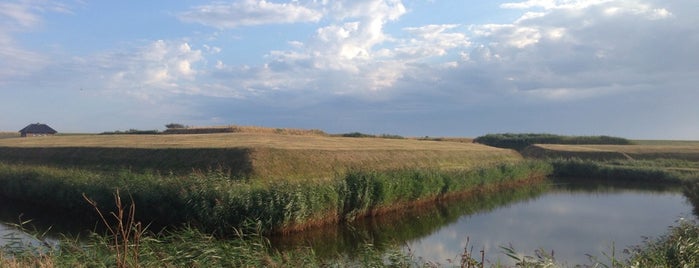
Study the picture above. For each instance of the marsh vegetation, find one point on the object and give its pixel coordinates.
(193, 189)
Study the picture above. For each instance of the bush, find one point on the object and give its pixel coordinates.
(519, 141)
(364, 135)
(175, 125)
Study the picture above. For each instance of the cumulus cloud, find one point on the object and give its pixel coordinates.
(555, 51)
(360, 53)
(585, 49)
(432, 40)
(340, 58)
(158, 68)
(249, 12)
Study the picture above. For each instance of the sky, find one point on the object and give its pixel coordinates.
(626, 68)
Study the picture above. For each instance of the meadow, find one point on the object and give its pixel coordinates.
(250, 155)
(4, 135)
(649, 151)
(204, 187)
(221, 181)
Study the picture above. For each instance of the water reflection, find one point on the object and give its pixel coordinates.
(573, 219)
(406, 225)
(45, 220)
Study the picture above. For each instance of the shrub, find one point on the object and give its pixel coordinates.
(519, 141)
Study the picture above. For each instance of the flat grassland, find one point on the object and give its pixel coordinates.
(228, 140)
(253, 154)
(641, 150)
(4, 135)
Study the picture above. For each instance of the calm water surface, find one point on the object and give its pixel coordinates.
(572, 220)
(572, 224)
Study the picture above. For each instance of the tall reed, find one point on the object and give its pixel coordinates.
(218, 203)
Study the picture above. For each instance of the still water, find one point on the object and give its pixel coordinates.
(573, 220)
(572, 224)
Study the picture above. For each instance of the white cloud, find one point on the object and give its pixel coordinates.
(432, 40)
(250, 12)
(554, 4)
(556, 51)
(18, 15)
(15, 17)
(576, 50)
(383, 10)
(342, 57)
(161, 67)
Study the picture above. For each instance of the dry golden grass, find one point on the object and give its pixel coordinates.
(39, 262)
(9, 135)
(237, 140)
(275, 155)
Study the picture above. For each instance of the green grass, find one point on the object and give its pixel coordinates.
(678, 248)
(665, 142)
(665, 172)
(262, 183)
(189, 247)
(682, 151)
(216, 202)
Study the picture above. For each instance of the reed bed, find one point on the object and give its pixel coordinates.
(679, 247)
(189, 247)
(215, 202)
(626, 170)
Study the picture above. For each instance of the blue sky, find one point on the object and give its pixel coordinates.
(416, 68)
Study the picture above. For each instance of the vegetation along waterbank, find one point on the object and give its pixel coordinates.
(285, 182)
(274, 183)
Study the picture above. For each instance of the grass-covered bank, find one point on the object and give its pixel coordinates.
(672, 172)
(189, 247)
(261, 156)
(666, 172)
(406, 224)
(214, 202)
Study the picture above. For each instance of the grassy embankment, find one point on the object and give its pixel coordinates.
(611, 158)
(669, 162)
(220, 181)
(200, 249)
(605, 157)
(658, 162)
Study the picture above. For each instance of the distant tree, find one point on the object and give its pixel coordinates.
(174, 125)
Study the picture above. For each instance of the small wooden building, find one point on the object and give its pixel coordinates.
(38, 129)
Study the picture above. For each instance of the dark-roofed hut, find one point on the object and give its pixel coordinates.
(37, 129)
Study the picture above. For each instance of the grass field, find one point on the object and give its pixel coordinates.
(648, 150)
(362, 177)
(228, 140)
(258, 155)
(4, 135)
(220, 180)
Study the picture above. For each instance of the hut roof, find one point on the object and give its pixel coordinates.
(38, 128)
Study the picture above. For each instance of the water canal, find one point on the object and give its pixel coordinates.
(573, 220)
